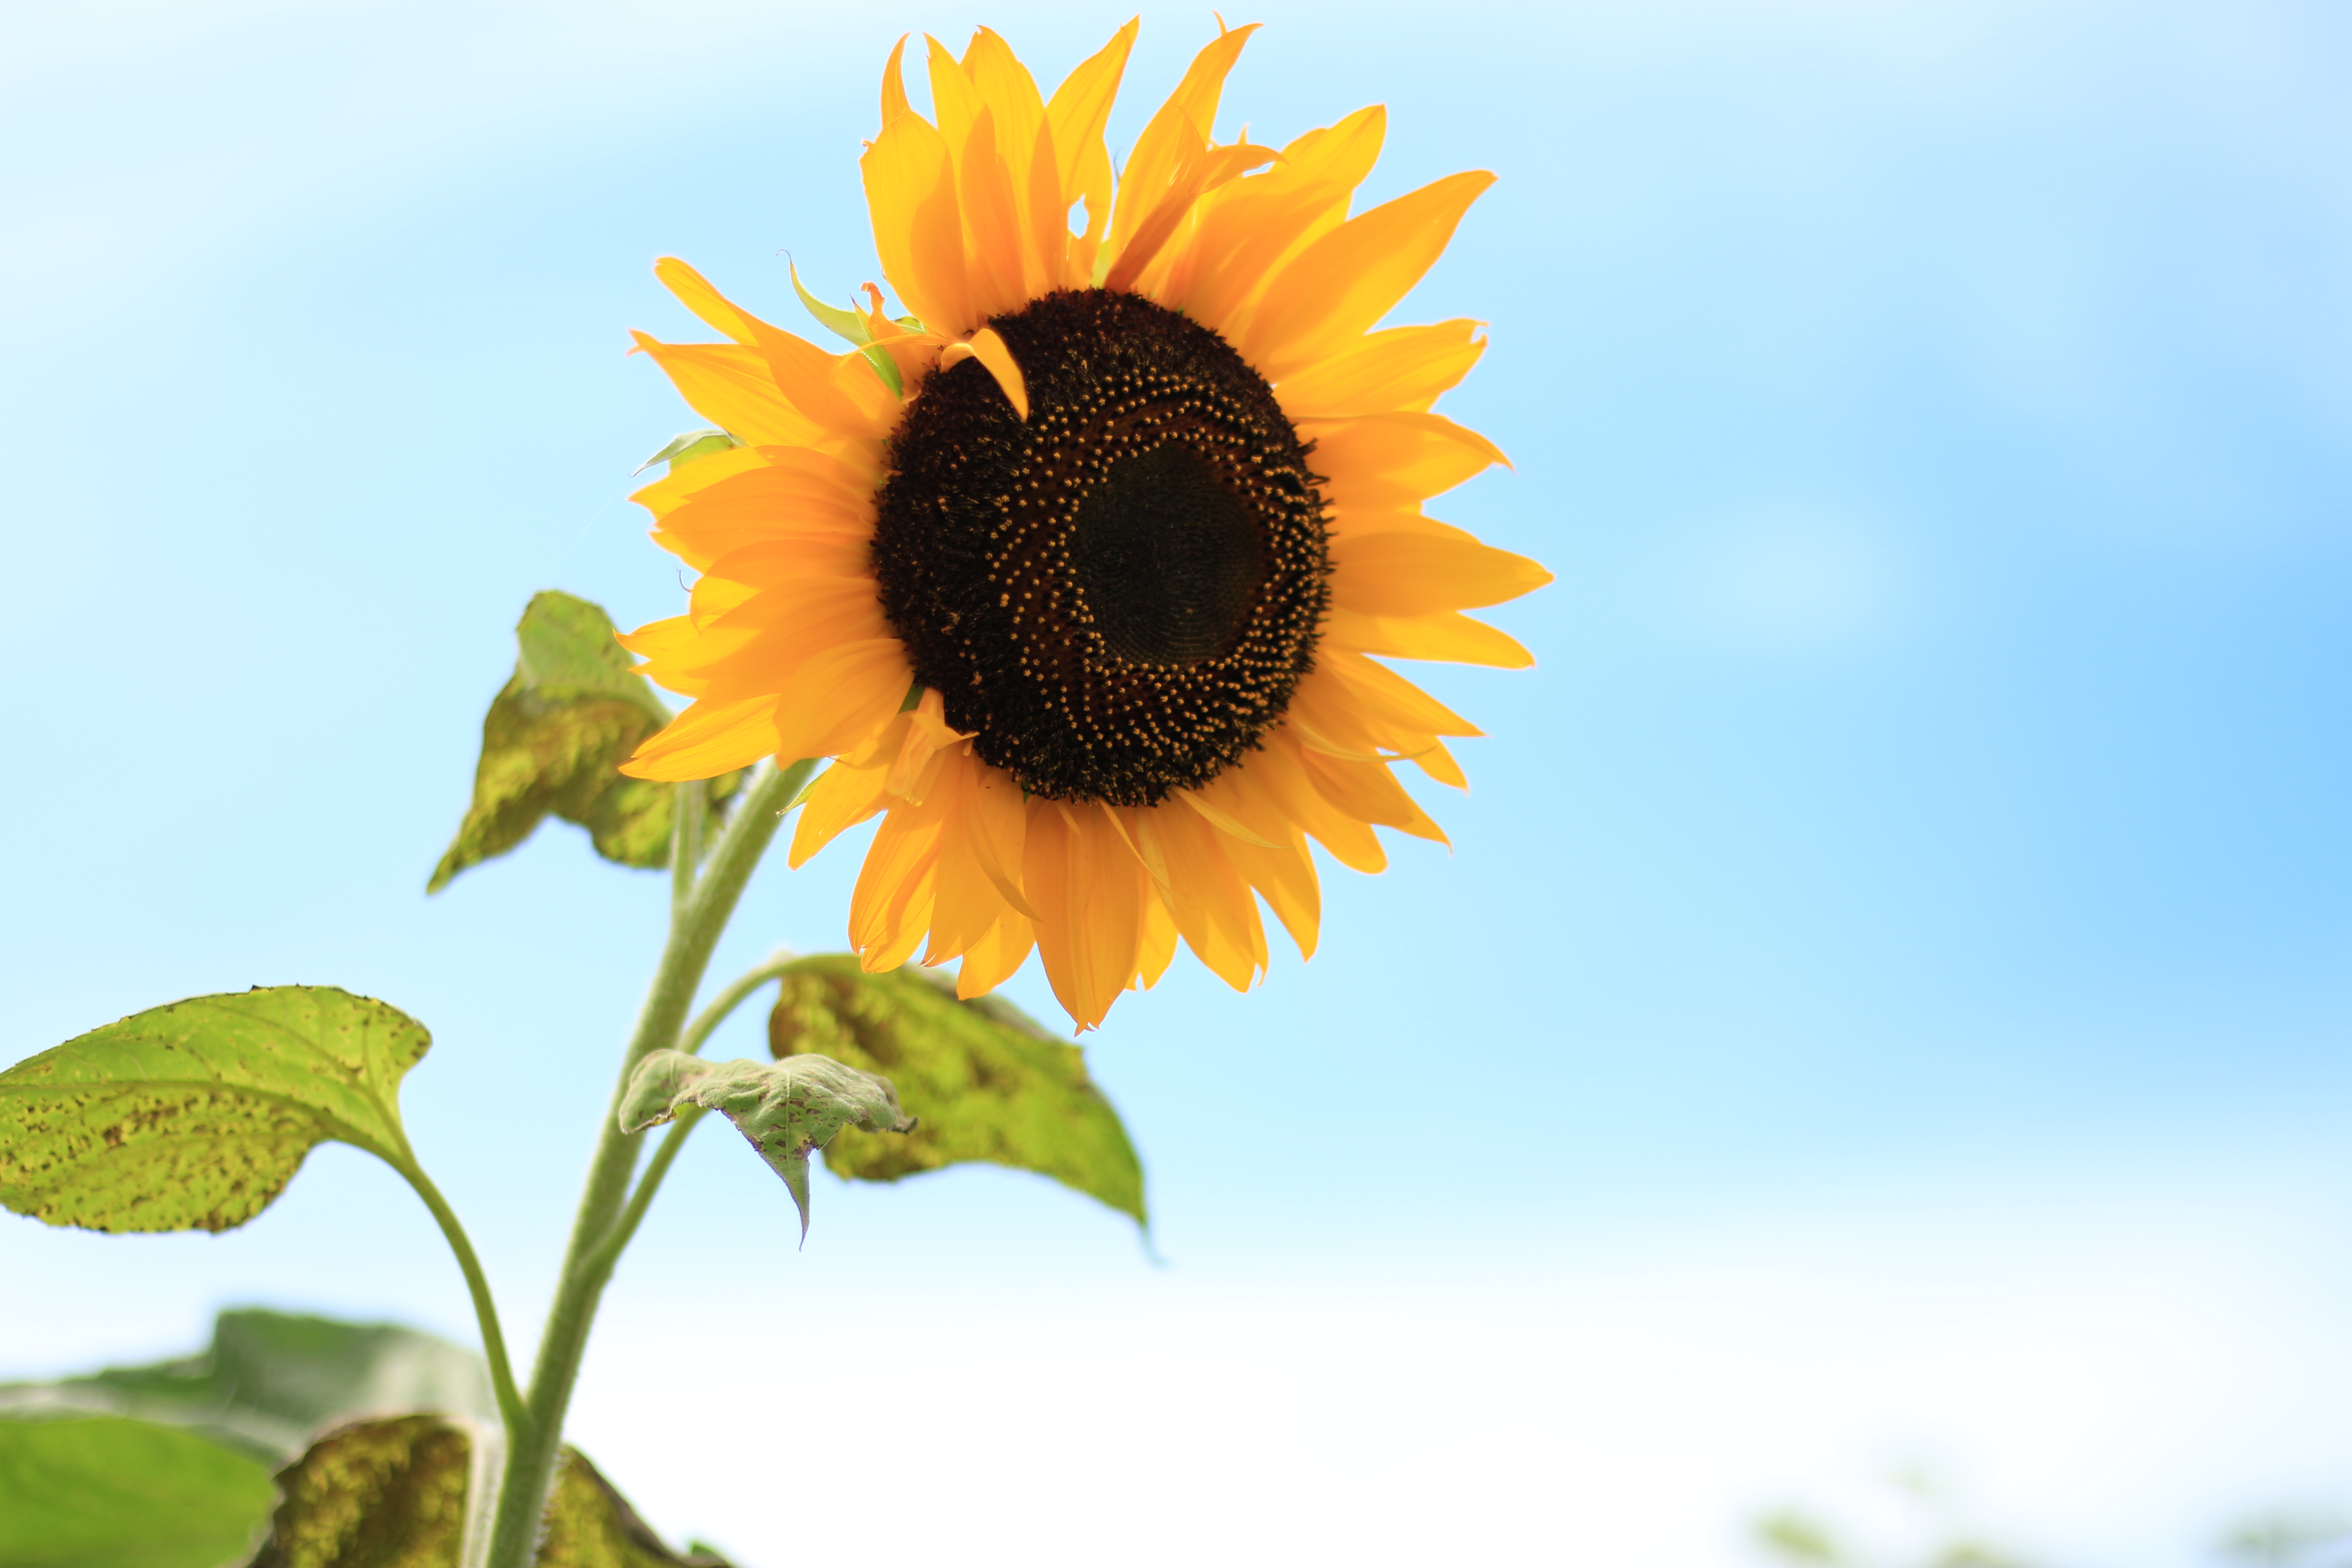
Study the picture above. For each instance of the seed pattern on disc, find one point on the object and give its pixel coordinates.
(1119, 595)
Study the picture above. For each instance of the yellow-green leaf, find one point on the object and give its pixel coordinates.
(392, 1494)
(554, 740)
(194, 1116)
(988, 1082)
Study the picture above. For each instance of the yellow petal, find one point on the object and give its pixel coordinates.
(1079, 110)
(1155, 946)
(806, 496)
(695, 292)
(841, 696)
(992, 352)
(1422, 574)
(1401, 369)
(1340, 286)
(1286, 880)
(1389, 697)
(997, 823)
(733, 388)
(1447, 636)
(1206, 898)
(994, 960)
(1142, 265)
(1279, 767)
(1247, 233)
(892, 904)
(894, 84)
(918, 228)
(841, 797)
(1004, 85)
(1439, 763)
(687, 480)
(993, 225)
(1089, 891)
(707, 740)
(1369, 793)
(1183, 123)
(1380, 462)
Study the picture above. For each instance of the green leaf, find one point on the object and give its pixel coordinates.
(846, 325)
(685, 448)
(849, 326)
(196, 1115)
(787, 1110)
(554, 740)
(124, 1494)
(990, 1083)
(270, 1379)
(393, 1494)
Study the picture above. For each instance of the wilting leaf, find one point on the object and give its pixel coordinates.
(392, 1494)
(787, 1108)
(990, 1083)
(270, 1379)
(76, 1493)
(195, 1115)
(554, 740)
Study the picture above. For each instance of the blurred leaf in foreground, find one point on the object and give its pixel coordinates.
(989, 1082)
(554, 739)
(104, 1490)
(194, 1116)
(270, 1379)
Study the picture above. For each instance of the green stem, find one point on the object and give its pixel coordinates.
(486, 1309)
(687, 803)
(695, 927)
(608, 1251)
(738, 990)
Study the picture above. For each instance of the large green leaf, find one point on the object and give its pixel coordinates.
(103, 1491)
(554, 739)
(987, 1081)
(270, 1379)
(196, 1115)
(787, 1110)
(393, 1494)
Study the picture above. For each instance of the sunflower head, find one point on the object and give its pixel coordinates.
(1076, 570)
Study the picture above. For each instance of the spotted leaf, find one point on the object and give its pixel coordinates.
(989, 1082)
(194, 1116)
(553, 742)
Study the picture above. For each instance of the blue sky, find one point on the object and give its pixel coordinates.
(1889, 988)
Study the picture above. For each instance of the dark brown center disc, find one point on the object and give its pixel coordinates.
(1120, 594)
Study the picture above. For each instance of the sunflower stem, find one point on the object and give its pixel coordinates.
(696, 922)
(686, 816)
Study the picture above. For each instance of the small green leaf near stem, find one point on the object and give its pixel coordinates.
(734, 995)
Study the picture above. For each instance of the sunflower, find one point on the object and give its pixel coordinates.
(1077, 572)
